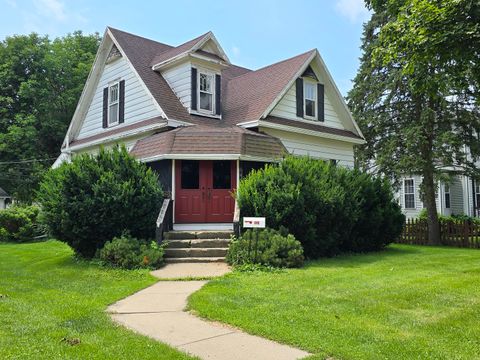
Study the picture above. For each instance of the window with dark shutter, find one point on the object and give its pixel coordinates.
(218, 94)
(299, 95)
(105, 108)
(321, 102)
(194, 89)
(121, 101)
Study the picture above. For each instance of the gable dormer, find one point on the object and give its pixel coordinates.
(193, 71)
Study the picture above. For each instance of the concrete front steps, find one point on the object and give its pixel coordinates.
(196, 246)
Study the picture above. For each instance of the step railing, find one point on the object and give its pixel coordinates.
(164, 219)
(236, 220)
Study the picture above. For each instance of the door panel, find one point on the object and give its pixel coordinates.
(222, 182)
(203, 191)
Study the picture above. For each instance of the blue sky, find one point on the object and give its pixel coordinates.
(252, 33)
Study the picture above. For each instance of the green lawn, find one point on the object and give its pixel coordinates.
(408, 302)
(46, 296)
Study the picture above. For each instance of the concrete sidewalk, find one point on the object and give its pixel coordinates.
(158, 312)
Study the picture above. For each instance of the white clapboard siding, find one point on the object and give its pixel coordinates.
(139, 105)
(287, 108)
(179, 79)
(316, 147)
(456, 196)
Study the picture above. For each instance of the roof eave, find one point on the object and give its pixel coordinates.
(270, 125)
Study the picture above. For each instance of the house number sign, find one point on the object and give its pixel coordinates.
(254, 222)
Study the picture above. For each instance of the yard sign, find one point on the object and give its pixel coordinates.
(254, 222)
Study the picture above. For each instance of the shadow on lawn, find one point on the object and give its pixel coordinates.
(351, 260)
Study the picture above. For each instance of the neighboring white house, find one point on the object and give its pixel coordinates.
(459, 196)
(201, 122)
(5, 199)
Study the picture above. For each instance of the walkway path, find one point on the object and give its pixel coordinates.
(158, 312)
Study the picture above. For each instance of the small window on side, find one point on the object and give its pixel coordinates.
(409, 193)
(446, 193)
(113, 104)
(310, 99)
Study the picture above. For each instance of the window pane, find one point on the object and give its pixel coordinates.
(310, 108)
(222, 175)
(206, 82)
(113, 114)
(190, 174)
(113, 93)
(447, 200)
(409, 201)
(310, 91)
(205, 101)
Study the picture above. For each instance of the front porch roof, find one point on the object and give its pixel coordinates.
(207, 142)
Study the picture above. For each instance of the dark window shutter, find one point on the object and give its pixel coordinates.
(299, 86)
(121, 103)
(105, 107)
(321, 102)
(218, 94)
(194, 89)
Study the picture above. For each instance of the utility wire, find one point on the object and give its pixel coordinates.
(25, 161)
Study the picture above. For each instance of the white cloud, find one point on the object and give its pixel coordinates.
(354, 10)
(12, 3)
(52, 8)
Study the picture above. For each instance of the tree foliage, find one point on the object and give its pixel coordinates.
(96, 198)
(416, 95)
(40, 83)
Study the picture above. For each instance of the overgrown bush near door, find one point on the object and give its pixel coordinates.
(96, 198)
(329, 209)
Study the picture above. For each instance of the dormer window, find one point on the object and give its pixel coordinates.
(206, 91)
(310, 99)
(113, 104)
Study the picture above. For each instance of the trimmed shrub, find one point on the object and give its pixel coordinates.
(96, 198)
(128, 252)
(266, 247)
(456, 218)
(329, 209)
(19, 223)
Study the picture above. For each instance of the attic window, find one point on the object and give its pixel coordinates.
(113, 102)
(310, 98)
(206, 91)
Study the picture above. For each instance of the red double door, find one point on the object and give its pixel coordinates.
(203, 191)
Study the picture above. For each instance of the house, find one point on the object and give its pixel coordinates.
(202, 123)
(5, 199)
(456, 195)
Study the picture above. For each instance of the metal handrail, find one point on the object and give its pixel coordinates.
(164, 219)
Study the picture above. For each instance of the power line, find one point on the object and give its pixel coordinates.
(25, 161)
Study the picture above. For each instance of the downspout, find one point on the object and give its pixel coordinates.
(474, 205)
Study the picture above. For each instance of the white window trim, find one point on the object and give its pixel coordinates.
(445, 192)
(199, 109)
(405, 193)
(477, 192)
(314, 83)
(109, 124)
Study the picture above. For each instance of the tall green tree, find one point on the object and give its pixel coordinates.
(40, 83)
(416, 95)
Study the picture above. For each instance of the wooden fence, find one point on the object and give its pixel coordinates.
(460, 233)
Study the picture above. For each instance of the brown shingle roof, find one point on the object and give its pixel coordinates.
(310, 126)
(209, 140)
(119, 129)
(140, 52)
(177, 50)
(248, 96)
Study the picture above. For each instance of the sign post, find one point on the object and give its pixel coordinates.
(253, 223)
